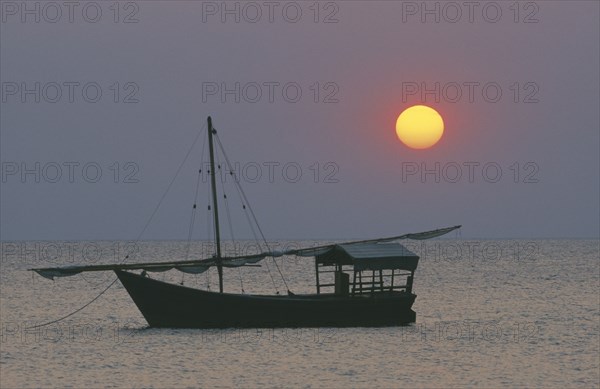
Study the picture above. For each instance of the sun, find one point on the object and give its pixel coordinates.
(419, 127)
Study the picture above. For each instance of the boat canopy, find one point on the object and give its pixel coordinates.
(372, 254)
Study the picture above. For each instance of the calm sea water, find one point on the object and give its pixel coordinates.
(489, 314)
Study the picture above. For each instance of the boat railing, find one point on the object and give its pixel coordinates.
(374, 281)
(362, 282)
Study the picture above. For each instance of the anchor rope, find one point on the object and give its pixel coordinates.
(136, 240)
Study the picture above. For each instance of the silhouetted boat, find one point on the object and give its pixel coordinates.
(380, 293)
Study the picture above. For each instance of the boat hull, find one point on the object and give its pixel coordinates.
(175, 306)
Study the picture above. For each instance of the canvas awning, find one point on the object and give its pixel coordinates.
(371, 256)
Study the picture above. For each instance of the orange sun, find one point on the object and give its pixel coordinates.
(419, 127)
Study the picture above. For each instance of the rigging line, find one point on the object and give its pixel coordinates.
(245, 202)
(228, 212)
(170, 184)
(258, 244)
(245, 199)
(209, 221)
(194, 210)
(197, 191)
(226, 202)
(136, 240)
(209, 231)
(212, 208)
(241, 192)
(237, 187)
(253, 215)
(192, 223)
(259, 248)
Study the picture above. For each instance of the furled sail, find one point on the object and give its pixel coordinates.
(190, 267)
(199, 266)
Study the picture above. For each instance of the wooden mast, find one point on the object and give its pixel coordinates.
(211, 131)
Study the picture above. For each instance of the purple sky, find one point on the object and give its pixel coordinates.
(356, 76)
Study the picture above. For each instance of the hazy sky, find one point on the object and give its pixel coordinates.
(300, 88)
